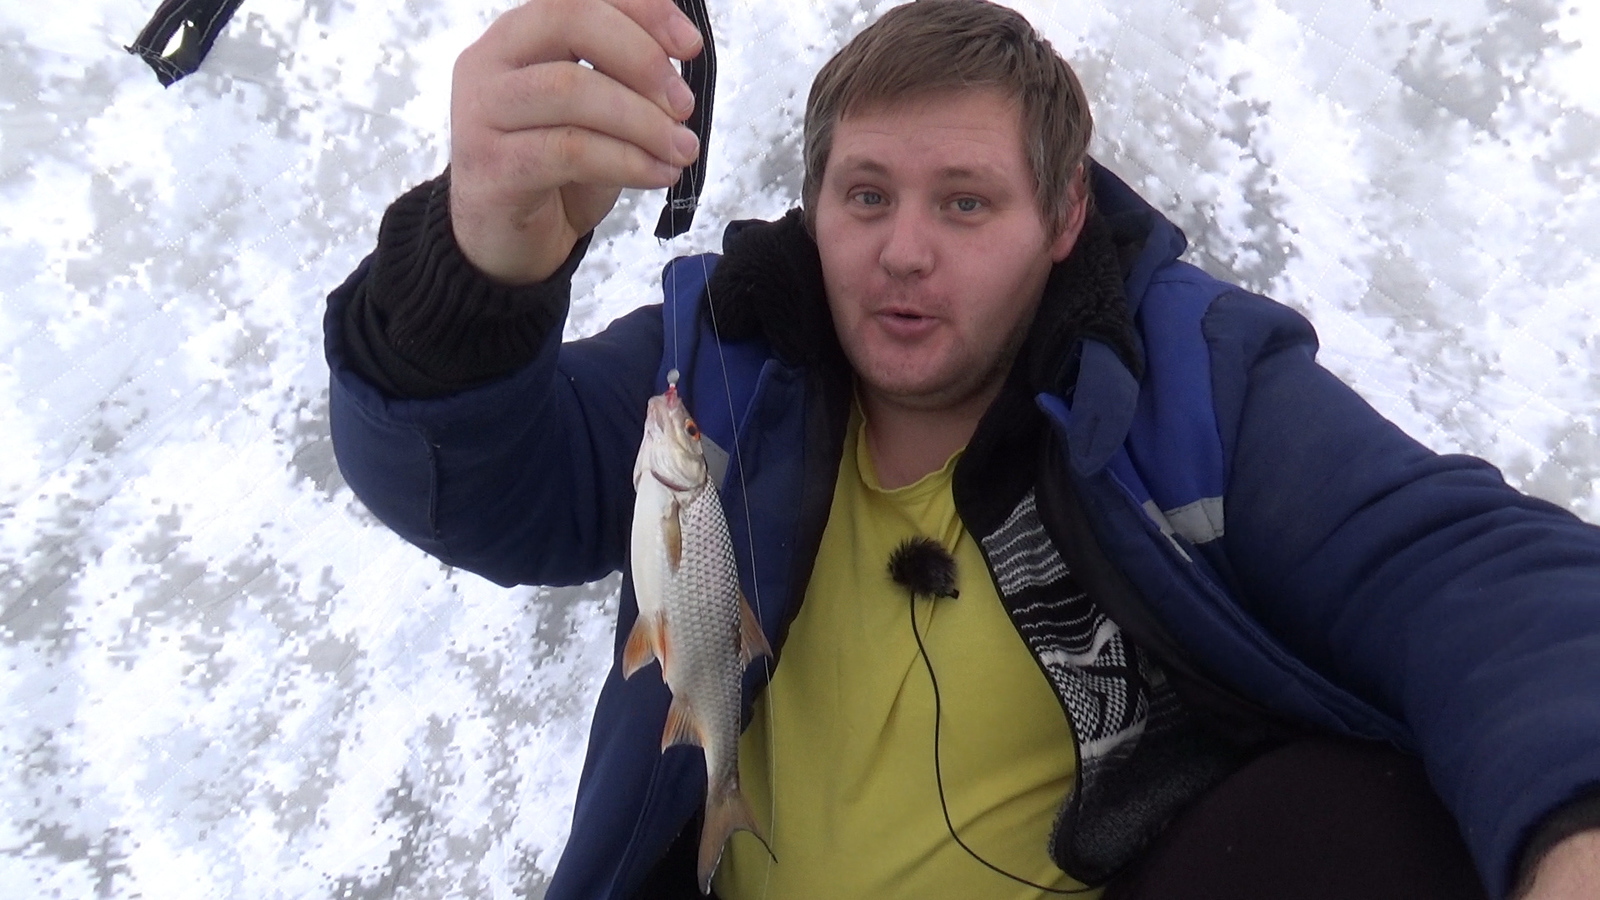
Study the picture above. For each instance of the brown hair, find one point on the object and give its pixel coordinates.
(936, 46)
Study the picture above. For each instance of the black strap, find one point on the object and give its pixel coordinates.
(201, 21)
(683, 198)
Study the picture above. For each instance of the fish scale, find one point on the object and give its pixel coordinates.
(702, 608)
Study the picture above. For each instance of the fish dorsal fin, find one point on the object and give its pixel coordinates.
(752, 640)
(716, 459)
(681, 727)
(644, 645)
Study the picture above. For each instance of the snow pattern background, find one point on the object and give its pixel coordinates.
(223, 678)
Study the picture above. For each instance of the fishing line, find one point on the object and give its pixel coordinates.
(683, 197)
(938, 772)
(682, 202)
(755, 582)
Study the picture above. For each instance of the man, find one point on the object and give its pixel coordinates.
(1163, 519)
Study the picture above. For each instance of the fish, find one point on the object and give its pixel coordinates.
(693, 617)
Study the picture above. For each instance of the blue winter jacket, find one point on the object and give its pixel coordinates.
(1300, 549)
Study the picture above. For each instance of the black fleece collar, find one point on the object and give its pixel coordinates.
(769, 286)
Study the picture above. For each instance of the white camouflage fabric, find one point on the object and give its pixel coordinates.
(223, 678)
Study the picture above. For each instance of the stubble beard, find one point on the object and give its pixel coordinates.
(950, 393)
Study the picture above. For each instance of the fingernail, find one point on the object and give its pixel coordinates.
(687, 145)
(668, 174)
(684, 34)
(679, 95)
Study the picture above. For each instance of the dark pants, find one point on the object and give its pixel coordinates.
(1311, 820)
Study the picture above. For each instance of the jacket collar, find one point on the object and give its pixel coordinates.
(769, 286)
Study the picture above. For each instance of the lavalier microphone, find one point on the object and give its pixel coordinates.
(924, 567)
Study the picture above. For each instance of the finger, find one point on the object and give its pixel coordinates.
(567, 155)
(643, 65)
(672, 29)
(609, 37)
(564, 93)
(665, 22)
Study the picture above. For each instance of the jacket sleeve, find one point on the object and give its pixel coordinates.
(424, 322)
(464, 424)
(1422, 582)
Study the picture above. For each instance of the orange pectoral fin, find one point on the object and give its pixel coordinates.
(752, 640)
(682, 728)
(644, 645)
(672, 534)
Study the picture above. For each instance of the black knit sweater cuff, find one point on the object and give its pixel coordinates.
(426, 322)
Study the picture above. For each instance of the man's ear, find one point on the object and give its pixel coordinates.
(1077, 212)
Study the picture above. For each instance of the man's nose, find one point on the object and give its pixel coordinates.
(908, 249)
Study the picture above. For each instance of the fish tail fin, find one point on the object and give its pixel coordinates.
(726, 812)
(752, 640)
(645, 645)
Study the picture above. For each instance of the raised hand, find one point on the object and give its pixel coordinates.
(541, 144)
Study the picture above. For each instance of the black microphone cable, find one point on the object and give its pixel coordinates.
(924, 567)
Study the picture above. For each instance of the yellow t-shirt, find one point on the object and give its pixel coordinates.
(838, 762)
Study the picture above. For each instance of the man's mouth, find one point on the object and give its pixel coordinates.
(905, 323)
(903, 312)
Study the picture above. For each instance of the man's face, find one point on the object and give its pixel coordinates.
(934, 251)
